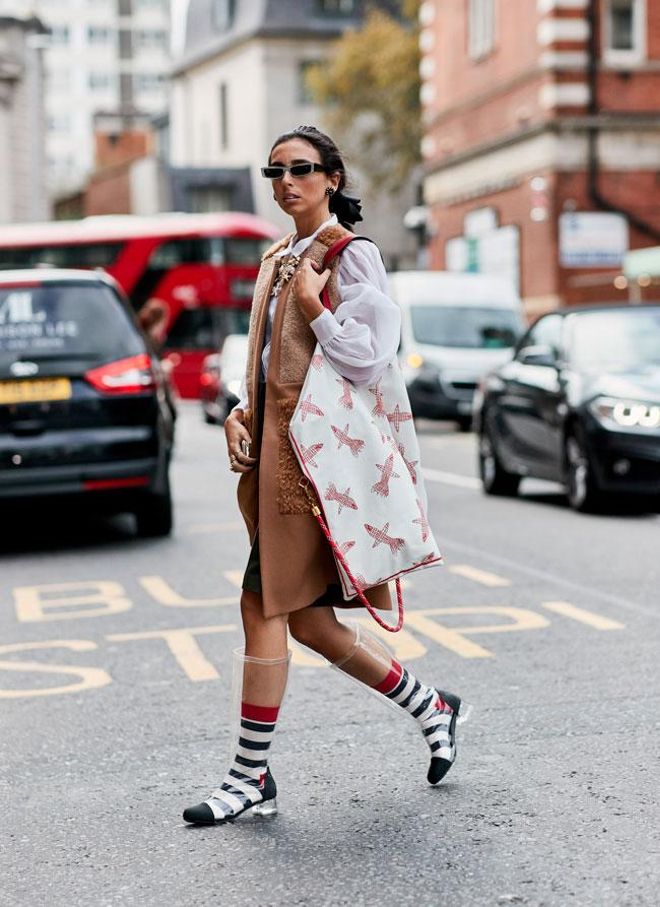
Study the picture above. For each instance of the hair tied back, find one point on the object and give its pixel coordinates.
(346, 207)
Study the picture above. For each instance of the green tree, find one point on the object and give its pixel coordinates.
(369, 89)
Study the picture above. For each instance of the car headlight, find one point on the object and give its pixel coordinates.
(414, 360)
(613, 413)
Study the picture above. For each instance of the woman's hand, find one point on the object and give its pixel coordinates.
(238, 437)
(308, 285)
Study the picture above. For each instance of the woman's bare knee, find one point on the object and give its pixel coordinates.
(264, 636)
(319, 630)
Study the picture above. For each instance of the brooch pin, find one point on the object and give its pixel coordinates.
(288, 265)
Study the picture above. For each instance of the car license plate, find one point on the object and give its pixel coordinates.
(35, 391)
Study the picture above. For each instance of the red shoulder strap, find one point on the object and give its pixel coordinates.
(334, 250)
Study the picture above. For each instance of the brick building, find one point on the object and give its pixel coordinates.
(542, 141)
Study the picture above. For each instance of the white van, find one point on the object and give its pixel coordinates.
(454, 329)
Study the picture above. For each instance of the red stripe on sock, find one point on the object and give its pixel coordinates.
(259, 712)
(394, 676)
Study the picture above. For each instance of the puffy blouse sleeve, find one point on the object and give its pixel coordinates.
(362, 335)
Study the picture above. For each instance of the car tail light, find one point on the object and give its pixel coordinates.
(109, 484)
(126, 376)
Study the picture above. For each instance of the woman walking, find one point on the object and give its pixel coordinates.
(291, 581)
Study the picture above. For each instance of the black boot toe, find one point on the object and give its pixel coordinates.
(202, 814)
(437, 770)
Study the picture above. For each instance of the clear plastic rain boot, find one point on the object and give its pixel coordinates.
(370, 662)
(258, 686)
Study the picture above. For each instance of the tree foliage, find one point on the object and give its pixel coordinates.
(369, 89)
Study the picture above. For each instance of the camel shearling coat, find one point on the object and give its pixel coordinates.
(296, 561)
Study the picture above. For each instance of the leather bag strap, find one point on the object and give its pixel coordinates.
(333, 251)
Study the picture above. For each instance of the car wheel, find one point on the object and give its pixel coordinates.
(154, 515)
(495, 479)
(581, 487)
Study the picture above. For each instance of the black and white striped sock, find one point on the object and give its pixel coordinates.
(426, 706)
(243, 784)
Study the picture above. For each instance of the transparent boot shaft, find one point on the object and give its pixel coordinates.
(369, 660)
(259, 681)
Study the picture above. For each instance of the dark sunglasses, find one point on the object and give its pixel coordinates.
(276, 172)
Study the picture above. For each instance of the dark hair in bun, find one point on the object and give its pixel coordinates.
(344, 206)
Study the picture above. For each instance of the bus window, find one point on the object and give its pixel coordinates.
(245, 250)
(206, 328)
(179, 252)
(77, 255)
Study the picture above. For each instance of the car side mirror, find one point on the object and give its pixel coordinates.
(538, 355)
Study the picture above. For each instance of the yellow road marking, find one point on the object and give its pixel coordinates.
(597, 621)
(164, 594)
(90, 678)
(479, 576)
(455, 638)
(34, 602)
(183, 645)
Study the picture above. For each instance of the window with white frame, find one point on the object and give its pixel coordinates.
(151, 38)
(481, 27)
(59, 35)
(305, 93)
(148, 82)
(625, 31)
(337, 7)
(99, 34)
(102, 81)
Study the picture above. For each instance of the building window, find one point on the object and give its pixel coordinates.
(149, 37)
(98, 34)
(148, 82)
(102, 81)
(59, 35)
(337, 7)
(59, 123)
(625, 30)
(223, 14)
(481, 27)
(224, 116)
(305, 95)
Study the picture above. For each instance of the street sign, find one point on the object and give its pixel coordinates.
(592, 239)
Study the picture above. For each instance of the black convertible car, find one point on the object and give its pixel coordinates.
(579, 403)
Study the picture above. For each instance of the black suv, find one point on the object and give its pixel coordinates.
(84, 410)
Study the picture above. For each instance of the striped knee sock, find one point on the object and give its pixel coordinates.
(426, 706)
(243, 783)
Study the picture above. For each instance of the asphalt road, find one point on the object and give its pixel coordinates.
(111, 722)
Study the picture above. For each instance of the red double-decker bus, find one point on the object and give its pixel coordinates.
(202, 267)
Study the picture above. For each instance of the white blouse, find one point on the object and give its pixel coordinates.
(362, 335)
